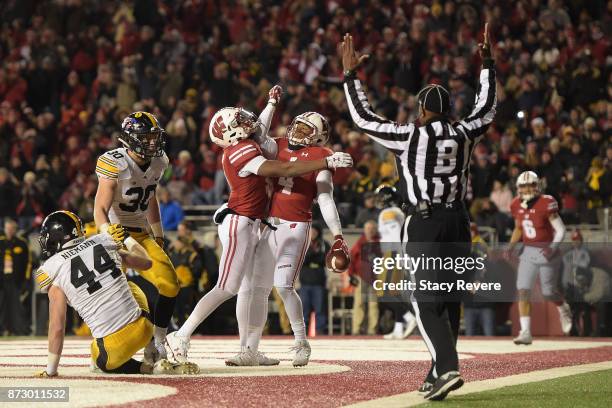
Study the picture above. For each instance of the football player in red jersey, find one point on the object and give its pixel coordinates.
(282, 248)
(537, 222)
(239, 221)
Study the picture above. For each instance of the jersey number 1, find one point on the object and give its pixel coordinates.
(81, 275)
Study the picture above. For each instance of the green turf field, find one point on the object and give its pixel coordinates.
(582, 390)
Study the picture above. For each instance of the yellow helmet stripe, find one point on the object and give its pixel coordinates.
(76, 221)
(152, 119)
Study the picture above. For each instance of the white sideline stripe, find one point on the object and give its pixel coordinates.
(252, 149)
(410, 399)
(239, 150)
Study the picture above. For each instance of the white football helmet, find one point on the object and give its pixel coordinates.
(315, 131)
(528, 185)
(231, 125)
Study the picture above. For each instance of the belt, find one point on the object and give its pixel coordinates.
(134, 229)
(410, 209)
(227, 211)
(145, 314)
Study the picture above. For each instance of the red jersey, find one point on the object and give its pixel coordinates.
(534, 221)
(248, 194)
(293, 196)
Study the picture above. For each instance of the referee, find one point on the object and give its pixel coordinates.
(433, 161)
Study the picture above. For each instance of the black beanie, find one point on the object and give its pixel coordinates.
(435, 98)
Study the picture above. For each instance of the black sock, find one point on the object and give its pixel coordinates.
(130, 367)
(164, 308)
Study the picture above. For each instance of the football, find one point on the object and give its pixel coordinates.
(338, 259)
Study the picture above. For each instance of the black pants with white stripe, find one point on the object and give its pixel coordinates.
(444, 234)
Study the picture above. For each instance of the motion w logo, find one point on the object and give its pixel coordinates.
(218, 128)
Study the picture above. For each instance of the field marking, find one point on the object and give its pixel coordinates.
(81, 395)
(209, 368)
(413, 398)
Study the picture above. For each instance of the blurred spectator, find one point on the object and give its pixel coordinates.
(15, 275)
(30, 205)
(313, 279)
(171, 211)
(501, 196)
(188, 265)
(360, 274)
(8, 192)
(369, 212)
(478, 314)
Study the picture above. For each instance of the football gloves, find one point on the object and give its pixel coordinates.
(338, 160)
(274, 94)
(118, 233)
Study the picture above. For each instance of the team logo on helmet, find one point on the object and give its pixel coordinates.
(308, 129)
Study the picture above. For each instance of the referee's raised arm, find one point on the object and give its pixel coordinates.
(476, 123)
(388, 133)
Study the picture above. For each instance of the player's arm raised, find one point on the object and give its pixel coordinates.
(57, 327)
(267, 144)
(274, 168)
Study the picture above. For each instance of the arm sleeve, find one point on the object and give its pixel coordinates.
(267, 144)
(325, 198)
(252, 166)
(559, 228)
(481, 116)
(387, 133)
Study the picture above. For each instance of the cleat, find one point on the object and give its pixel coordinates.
(178, 346)
(425, 387)
(409, 329)
(448, 382)
(164, 366)
(524, 338)
(565, 316)
(302, 353)
(394, 335)
(264, 360)
(247, 358)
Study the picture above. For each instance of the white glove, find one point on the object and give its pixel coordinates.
(274, 94)
(338, 160)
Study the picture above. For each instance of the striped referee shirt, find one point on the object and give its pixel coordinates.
(433, 160)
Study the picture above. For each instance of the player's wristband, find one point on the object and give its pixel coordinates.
(130, 243)
(52, 363)
(104, 228)
(158, 230)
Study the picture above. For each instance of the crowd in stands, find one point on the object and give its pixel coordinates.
(71, 70)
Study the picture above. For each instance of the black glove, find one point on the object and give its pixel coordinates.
(353, 280)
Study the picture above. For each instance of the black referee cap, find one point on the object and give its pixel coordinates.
(434, 98)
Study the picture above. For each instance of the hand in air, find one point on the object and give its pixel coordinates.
(338, 160)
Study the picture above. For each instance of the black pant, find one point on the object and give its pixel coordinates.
(438, 313)
(12, 316)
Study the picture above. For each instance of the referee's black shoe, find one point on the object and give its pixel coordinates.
(448, 382)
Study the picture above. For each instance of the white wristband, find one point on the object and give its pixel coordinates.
(52, 363)
(158, 230)
(130, 243)
(104, 228)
